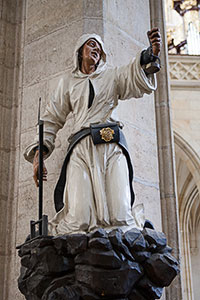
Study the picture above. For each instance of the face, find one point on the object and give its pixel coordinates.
(91, 51)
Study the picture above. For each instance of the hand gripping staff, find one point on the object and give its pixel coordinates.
(43, 219)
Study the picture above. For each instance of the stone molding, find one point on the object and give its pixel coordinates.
(188, 154)
(184, 71)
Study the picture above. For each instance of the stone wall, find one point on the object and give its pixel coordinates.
(43, 34)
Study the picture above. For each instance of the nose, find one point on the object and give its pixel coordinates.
(96, 47)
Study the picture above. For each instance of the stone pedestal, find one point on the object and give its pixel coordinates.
(135, 265)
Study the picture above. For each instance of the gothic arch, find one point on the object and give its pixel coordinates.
(188, 191)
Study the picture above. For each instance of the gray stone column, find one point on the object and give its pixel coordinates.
(10, 40)
(169, 204)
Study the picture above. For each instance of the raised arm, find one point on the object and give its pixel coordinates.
(132, 80)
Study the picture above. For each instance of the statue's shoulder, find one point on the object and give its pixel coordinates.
(66, 78)
(109, 71)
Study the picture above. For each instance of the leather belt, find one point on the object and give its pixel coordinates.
(74, 140)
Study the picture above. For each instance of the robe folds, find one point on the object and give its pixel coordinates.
(97, 191)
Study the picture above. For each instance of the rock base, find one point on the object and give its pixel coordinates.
(135, 265)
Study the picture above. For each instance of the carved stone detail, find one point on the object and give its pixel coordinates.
(184, 70)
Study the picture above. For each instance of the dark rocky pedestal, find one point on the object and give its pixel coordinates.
(131, 266)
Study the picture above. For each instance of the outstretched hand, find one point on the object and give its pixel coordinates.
(36, 169)
(155, 39)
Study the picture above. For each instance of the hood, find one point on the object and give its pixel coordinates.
(81, 41)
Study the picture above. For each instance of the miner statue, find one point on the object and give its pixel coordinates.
(95, 184)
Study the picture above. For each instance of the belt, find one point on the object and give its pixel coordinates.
(74, 140)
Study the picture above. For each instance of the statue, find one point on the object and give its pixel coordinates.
(97, 247)
(95, 185)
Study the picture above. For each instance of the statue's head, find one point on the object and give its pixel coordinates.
(91, 50)
(89, 46)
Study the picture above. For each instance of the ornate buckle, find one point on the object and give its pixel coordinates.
(107, 134)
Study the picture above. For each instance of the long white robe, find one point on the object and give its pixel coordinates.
(97, 191)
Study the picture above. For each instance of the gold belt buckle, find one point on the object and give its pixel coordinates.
(107, 134)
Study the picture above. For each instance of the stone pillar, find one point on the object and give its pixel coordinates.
(10, 39)
(169, 205)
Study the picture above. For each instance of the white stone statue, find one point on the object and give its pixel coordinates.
(95, 185)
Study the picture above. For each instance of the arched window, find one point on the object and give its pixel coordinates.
(188, 190)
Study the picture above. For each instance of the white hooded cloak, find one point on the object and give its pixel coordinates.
(97, 191)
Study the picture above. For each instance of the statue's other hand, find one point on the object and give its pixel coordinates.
(156, 40)
(36, 169)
